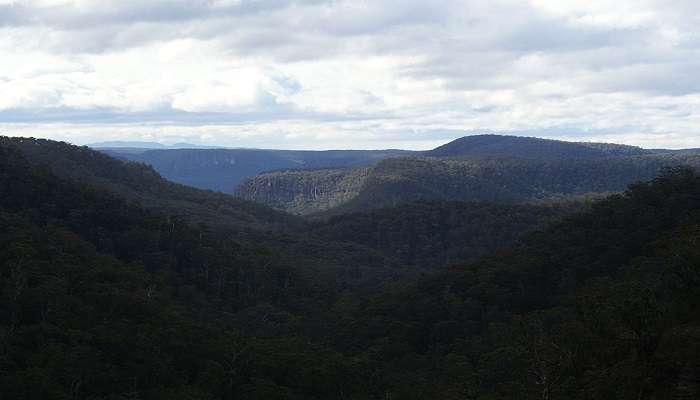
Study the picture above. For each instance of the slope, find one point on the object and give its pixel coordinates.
(432, 235)
(340, 266)
(142, 184)
(601, 305)
(102, 299)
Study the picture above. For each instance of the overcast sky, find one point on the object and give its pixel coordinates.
(350, 74)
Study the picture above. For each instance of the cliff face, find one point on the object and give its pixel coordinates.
(304, 192)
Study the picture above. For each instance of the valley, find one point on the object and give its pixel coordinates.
(447, 274)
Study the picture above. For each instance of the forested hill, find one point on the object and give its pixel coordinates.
(399, 180)
(528, 147)
(141, 183)
(101, 298)
(604, 305)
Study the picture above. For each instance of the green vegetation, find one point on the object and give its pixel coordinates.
(436, 234)
(141, 183)
(116, 284)
(502, 180)
(104, 299)
(601, 305)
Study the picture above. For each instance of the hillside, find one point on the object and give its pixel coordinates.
(102, 299)
(433, 235)
(493, 179)
(142, 184)
(621, 278)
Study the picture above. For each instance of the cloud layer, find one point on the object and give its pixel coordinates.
(336, 73)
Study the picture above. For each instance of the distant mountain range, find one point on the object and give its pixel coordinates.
(472, 168)
(137, 145)
(223, 169)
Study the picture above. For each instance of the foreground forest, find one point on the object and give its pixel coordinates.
(117, 284)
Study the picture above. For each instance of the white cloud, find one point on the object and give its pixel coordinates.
(340, 73)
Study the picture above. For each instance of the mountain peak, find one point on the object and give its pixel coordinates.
(529, 147)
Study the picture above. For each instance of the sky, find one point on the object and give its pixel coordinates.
(319, 74)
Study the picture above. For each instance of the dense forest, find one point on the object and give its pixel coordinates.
(603, 304)
(503, 180)
(117, 284)
(436, 234)
(102, 298)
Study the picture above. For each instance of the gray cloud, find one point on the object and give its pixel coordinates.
(82, 15)
(582, 68)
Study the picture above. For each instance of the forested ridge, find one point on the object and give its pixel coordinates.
(504, 180)
(139, 182)
(225, 170)
(117, 284)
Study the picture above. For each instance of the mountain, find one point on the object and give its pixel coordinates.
(399, 180)
(528, 147)
(126, 145)
(117, 284)
(223, 169)
(676, 152)
(496, 168)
